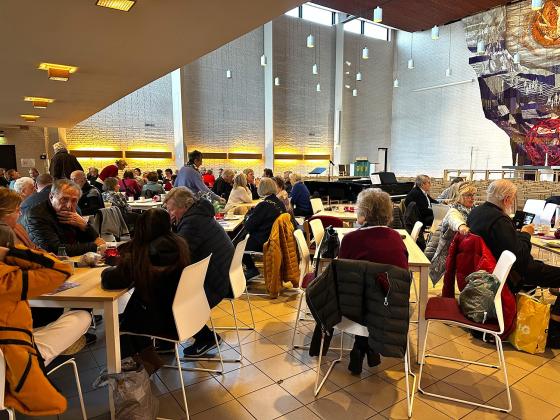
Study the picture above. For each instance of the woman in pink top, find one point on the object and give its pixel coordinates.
(374, 242)
(129, 185)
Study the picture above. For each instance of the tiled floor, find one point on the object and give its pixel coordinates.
(276, 382)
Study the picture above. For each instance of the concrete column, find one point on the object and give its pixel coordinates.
(178, 142)
(268, 99)
(338, 88)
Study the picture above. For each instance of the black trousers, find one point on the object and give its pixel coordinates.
(541, 274)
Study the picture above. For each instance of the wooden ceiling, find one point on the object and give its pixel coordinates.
(414, 15)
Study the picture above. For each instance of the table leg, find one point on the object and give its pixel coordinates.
(112, 343)
(422, 301)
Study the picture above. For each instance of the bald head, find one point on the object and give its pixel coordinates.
(43, 180)
(79, 177)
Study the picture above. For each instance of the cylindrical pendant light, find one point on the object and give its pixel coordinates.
(448, 72)
(355, 92)
(263, 60)
(228, 73)
(378, 15)
(410, 63)
(435, 32)
(318, 87)
(310, 41)
(359, 76)
(396, 83)
(315, 69)
(536, 4)
(481, 47)
(365, 53)
(276, 81)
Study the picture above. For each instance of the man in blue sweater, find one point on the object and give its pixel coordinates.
(192, 179)
(300, 197)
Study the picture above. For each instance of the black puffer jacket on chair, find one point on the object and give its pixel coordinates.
(371, 294)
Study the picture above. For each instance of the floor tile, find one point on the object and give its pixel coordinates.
(170, 408)
(269, 403)
(540, 387)
(420, 410)
(451, 408)
(261, 349)
(376, 393)
(258, 315)
(525, 406)
(284, 339)
(302, 413)
(281, 366)
(272, 326)
(244, 380)
(170, 377)
(340, 405)
(302, 387)
(340, 375)
(204, 395)
(279, 309)
(550, 370)
(229, 410)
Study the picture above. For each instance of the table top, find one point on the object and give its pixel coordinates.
(548, 244)
(415, 255)
(345, 216)
(89, 289)
(144, 204)
(230, 223)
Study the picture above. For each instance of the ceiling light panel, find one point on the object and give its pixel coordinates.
(123, 5)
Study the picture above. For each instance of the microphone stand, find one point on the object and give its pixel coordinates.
(331, 165)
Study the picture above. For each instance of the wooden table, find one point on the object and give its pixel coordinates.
(89, 294)
(231, 223)
(144, 205)
(345, 216)
(418, 263)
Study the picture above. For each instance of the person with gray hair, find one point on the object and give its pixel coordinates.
(374, 241)
(447, 194)
(420, 195)
(223, 185)
(492, 222)
(259, 221)
(300, 197)
(63, 163)
(43, 187)
(91, 200)
(24, 186)
(56, 223)
(193, 219)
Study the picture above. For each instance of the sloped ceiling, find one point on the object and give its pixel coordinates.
(116, 52)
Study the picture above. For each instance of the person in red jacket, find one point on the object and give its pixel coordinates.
(112, 171)
(374, 242)
(209, 179)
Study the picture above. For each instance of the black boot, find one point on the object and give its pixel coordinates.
(373, 358)
(356, 361)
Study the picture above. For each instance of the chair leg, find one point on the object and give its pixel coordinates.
(218, 346)
(504, 368)
(407, 373)
(236, 330)
(297, 324)
(318, 385)
(78, 385)
(178, 359)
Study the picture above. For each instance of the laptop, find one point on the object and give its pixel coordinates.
(522, 218)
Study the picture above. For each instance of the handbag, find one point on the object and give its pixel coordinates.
(330, 244)
(531, 327)
(477, 298)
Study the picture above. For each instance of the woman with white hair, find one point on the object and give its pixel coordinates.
(240, 193)
(63, 163)
(24, 186)
(454, 221)
(259, 221)
(374, 241)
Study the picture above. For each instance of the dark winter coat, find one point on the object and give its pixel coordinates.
(63, 164)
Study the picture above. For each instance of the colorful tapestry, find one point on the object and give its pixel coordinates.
(521, 98)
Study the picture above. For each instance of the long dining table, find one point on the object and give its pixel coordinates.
(89, 294)
(418, 263)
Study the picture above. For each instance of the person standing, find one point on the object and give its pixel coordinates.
(112, 171)
(63, 163)
(190, 177)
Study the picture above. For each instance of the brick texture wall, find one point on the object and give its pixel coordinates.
(30, 144)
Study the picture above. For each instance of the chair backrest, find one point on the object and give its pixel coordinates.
(190, 307)
(534, 206)
(439, 210)
(545, 217)
(501, 271)
(305, 258)
(317, 205)
(2, 380)
(236, 276)
(416, 230)
(318, 230)
(329, 221)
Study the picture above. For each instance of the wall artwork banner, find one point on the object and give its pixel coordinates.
(27, 163)
(516, 56)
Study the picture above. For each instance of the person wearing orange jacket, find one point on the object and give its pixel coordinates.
(25, 274)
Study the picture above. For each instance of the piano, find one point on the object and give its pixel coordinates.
(348, 190)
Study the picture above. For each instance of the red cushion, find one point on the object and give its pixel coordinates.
(327, 221)
(308, 278)
(447, 309)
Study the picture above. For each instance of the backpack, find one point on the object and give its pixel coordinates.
(476, 300)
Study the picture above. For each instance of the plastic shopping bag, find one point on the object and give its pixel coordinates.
(531, 327)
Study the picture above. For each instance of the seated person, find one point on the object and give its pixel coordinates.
(33, 393)
(152, 263)
(420, 194)
(55, 223)
(43, 187)
(129, 185)
(374, 241)
(24, 186)
(300, 197)
(250, 174)
(491, 221)
(152, 186)
(267, 173)
(113, 196)
(168, 179)
(208, 178)
(193, 220)
(448, 193)
(454, 221)
(92, 177)
(259, 221)
(282, 194)
(90, 200)
(240, 193)
(224, 184)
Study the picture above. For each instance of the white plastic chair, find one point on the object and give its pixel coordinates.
(439, 210)
(191, 311)
(317, 205)
(11, 413)
(546, 215)
(350, 327)
(72, 362)
(416, 231)
(318, 232)
(501, 271)
(534, 206)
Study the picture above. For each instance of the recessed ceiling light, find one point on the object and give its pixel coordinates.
(60, 72)
(40, 103)
(29, 117)
(123, 5)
